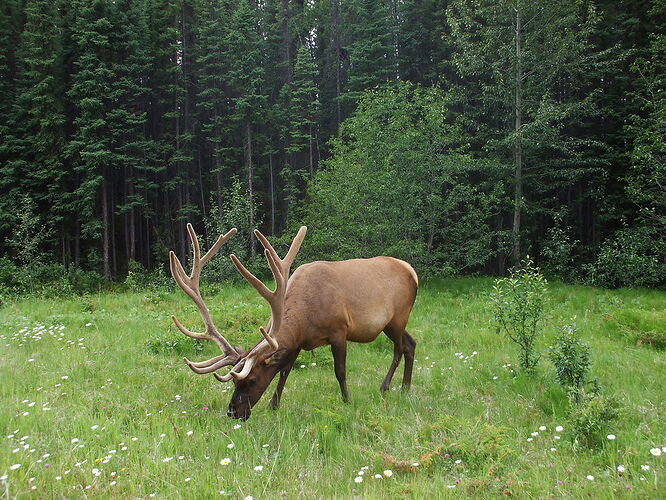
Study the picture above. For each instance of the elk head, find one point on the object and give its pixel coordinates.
(266, 357)
(256, 368)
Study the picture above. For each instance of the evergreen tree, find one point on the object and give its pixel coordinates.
(90, 147)
(300, 106)
(245, 52)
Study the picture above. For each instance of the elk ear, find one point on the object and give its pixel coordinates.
(277, 358)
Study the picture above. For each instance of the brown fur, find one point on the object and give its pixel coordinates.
(332, 303)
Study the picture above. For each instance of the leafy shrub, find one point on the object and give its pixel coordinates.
(571, 358)
(399, 182)
(590, 416)
(518, 303)
(559, 252)
(632, 257)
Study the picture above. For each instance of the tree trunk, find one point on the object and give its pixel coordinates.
(336, 35)
(518, 193)
(105, 232)
(270, 168)
(250, 189)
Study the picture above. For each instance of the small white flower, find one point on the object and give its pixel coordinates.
(542, 428)
(74, 440)
(94, 427)
(590, 477)
(358, 479)
(258, 468)
(96, 472)
(656, 451)
(162, 435)
(559, 428)
(645, 467)
(3, 477)
(388, 472)
(180, 457)
(230, 445)
(188, 479)
(495, 377)
(225, 461)
(378, 476)
(458, 461)
(620, 468)
(136, 438)
(237, 426)
(58, 478)
(14, 467)
(360, 473)
(553, 449)
(450, 486)
(611, 437)
(365, 467)
(303, 366)
(265, 445)
(415, 464)
(556, 437)
(167, 459)
(249, 497)
(124, 448)
(189, 433)
(64, 377)
(113, 483)
(313, 364)
(530, 439)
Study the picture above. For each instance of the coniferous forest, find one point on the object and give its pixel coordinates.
(458, 135)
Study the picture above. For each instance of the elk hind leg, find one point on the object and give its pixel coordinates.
(397, 354)
(339, 350)
(409, 349)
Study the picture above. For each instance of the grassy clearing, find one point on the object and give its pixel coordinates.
(95, 401)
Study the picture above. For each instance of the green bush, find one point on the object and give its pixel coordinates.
(571, 358)
(518, 303)
(632, 257)
(590, 417)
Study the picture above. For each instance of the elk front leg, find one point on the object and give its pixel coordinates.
(284, 373)
(339, 350)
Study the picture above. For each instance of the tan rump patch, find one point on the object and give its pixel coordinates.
(411, 270)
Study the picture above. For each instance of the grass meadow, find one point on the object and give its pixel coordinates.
(95, 401)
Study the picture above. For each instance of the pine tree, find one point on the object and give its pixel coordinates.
(300, 106)
(245, 54)
(90, 147)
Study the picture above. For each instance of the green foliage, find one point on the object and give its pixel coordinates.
(559, 252)
(631, 257)
(571, 358)
(518, 303)
(590, 418)
(399, 183)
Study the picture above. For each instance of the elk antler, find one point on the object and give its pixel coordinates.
(190, 285)
(280, 269)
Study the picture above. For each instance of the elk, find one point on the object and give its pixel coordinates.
(321, 303)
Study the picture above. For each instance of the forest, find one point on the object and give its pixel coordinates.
(459, 135)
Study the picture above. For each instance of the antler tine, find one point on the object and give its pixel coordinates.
(190, 285)
(280, 269)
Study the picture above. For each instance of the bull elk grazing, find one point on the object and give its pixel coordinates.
(322, 303)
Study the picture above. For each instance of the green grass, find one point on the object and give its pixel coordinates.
(122, 359)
